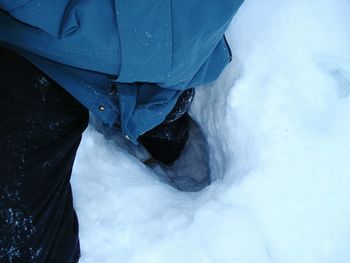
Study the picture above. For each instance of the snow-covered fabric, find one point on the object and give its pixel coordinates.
(41, 126)
(171, 44)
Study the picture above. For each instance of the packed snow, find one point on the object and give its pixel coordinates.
(277, 124)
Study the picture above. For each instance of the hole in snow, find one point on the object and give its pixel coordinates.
(189, 173)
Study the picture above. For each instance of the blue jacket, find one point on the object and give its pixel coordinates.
(152, 49)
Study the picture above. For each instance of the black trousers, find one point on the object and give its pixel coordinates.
(40, 130)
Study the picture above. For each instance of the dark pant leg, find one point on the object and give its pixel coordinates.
(40, 131)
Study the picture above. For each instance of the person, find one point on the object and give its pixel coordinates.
(130, 63)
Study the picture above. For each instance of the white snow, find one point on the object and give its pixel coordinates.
(278, 128)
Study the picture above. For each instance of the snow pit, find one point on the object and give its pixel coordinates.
(277, 124)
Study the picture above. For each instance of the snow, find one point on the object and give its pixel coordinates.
(277, 124)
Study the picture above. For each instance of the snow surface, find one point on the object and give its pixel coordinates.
(278, 127)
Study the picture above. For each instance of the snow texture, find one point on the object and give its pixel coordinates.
(277, 124)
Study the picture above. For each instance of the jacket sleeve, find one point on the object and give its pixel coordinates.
(51, 16)
(164, 42)
(145, 39)
(9, 5)
(168, 42)
(76, 33)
